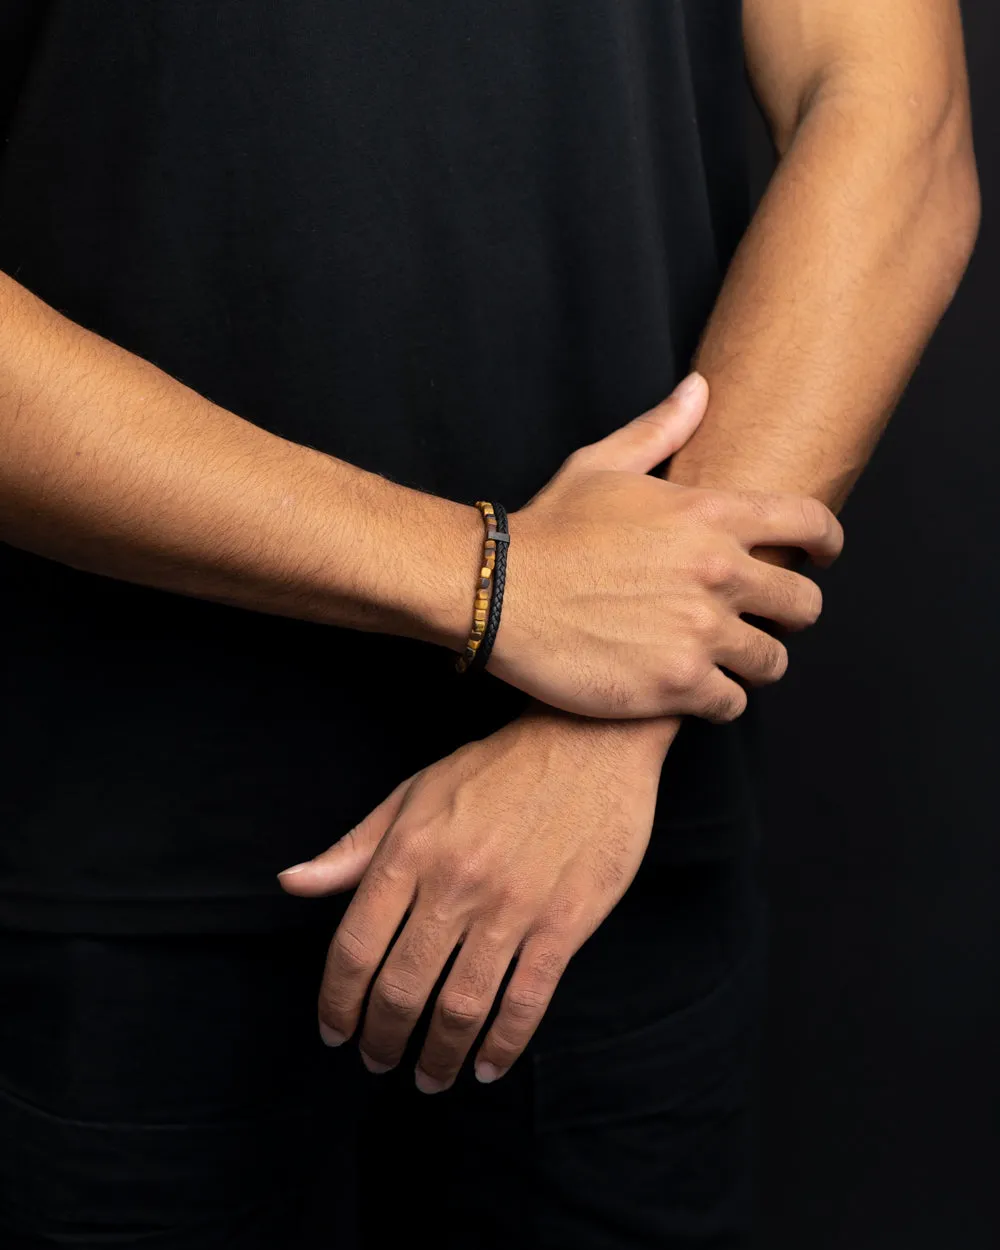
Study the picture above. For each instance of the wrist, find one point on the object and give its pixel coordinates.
(401, 561)
(641, 742)
(448, 553)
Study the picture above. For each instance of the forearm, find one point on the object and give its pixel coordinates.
(111, 466)
(852, 257)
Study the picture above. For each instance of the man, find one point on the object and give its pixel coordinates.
(289, 286)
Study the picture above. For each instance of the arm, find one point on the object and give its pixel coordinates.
(111, 466)
(852, 258)
(855, 253)
(856, 250)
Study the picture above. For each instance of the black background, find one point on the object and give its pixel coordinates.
(882, 1093)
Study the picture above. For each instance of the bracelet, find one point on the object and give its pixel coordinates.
(488, 603)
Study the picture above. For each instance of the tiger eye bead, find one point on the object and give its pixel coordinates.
(484, 588)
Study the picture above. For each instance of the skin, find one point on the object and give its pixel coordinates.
(519, 846)
(687, 624)
(108, 464)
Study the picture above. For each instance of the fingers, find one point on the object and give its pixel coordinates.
(655, 435)
(463, 1005)
(717, 698)
(405, 984)
(342, 865)
(751, 654)
(362, 938)
(540, 965)
(777, 594)
(763, 520)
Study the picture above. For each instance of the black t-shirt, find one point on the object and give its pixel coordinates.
(446, 240)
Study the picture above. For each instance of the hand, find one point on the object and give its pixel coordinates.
(624, 591)
(514, 847)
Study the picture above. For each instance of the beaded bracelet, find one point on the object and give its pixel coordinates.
(489, 590)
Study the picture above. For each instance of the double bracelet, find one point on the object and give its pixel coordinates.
(488, 603)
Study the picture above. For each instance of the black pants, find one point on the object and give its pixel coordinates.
(172, 1093)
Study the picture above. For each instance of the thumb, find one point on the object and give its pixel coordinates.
(651, 438)
(343, 865)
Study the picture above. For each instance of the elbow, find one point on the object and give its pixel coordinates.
(919, 139)
(952, 200)
(965, 207)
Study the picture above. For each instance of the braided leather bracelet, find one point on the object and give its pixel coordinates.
(489, 591)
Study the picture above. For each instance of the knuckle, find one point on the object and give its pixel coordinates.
(396, 999)
(390, 871)
(460, 1013)
(455, 878)
(581, 458)
(457, 886)
(564, 915)
(350, 951)
(495, 936)
(703, 619)
(725, 708)
(525, 1003)
(698, 636)
(766, 658)
(716, 569)
(409, 844)
(544, 969)
(474, 868)
(687, 670)
(440, 914)
(507, 898)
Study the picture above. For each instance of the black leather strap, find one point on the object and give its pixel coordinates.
(502, 536)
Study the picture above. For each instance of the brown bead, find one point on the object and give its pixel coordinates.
(484, 589)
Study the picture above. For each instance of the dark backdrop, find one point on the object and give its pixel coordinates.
(882, 1058)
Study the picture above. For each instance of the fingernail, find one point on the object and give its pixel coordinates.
(373, 1065)
(287, 872)
(688, 387)
(331, 1037)
(487, 1073)
(429, 1084)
